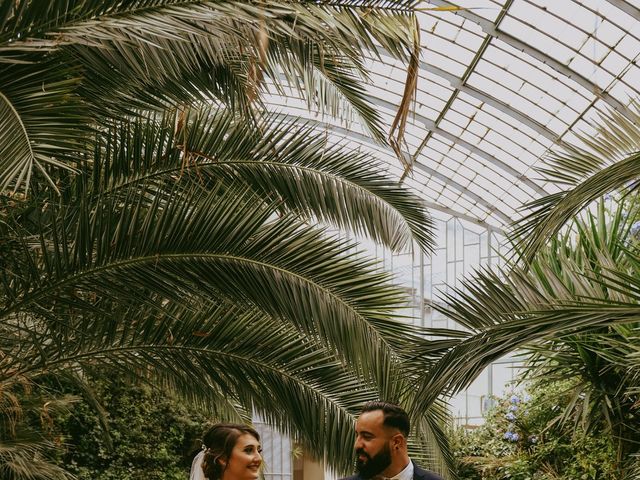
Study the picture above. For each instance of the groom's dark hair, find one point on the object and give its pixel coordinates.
(394, 415)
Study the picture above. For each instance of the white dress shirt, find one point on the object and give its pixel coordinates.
(406, 474)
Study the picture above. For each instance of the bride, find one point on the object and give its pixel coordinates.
(229, 452)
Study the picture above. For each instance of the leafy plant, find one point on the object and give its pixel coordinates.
(523, 439)
(148, 434)
(157, 220)
(574, 308)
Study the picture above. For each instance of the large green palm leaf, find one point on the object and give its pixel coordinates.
(153, 55)
(281, 163)
(173, 221)
(503, 327)
(223, 354)
(36, 103)
(184, 248)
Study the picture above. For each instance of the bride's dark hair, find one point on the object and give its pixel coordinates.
(219, 441)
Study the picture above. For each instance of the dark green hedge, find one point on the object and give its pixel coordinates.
(151, 435)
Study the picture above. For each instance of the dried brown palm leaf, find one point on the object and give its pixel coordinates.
(410, 87)
(256, 67)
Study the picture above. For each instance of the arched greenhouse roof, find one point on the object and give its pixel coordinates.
(500, 83)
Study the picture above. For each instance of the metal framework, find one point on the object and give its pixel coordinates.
(502, 82)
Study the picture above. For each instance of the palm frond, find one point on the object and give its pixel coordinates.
(254, 359)
(554, 211)
(24, 449)
(608, 161)
(281, 163)
(43, 122)
(571, 288)
(200, 244)
(156, 55)
(432, 447)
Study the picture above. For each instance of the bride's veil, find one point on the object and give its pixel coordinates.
(196, 467)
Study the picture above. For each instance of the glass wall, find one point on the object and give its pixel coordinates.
(276, 452)
(462, 248)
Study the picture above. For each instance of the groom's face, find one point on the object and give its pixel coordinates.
(372, 445)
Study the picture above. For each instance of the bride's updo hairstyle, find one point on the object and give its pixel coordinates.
(218, 442)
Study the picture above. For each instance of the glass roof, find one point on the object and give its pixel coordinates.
(501, 82)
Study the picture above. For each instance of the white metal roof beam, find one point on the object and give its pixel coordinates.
(626, 8)
(431, 126)
(495, 103)
(459, 85)
(482, 154)
(464, 191)
(468, 218)
(461, 82)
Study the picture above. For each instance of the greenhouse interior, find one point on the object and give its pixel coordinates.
(271, 213)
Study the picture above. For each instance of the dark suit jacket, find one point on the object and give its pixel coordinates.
(418, 474)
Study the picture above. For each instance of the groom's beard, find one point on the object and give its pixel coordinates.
(372, 466)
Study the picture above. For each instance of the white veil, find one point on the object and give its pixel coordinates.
(196, 467)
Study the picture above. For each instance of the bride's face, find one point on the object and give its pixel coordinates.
(245, 460)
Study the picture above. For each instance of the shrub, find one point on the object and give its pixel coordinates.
(524, 439)
(150, 435)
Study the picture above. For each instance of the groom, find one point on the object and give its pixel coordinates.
(381, 445)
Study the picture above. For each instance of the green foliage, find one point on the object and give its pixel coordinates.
(149, 434)
(574, 310)
(523, 439)
(28, 439)
(158, 221)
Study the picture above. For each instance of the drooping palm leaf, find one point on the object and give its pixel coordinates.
(253, 359)
(36, 105)
(183, 242)
(24, 449)
(609, 161)
(155, 55)
(281, 163)
(176, 216)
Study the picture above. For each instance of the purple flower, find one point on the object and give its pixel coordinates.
(511, 436)
(635, 228)
(513, 408)
(514, 399)
(510, 416)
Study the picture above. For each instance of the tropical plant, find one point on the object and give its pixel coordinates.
(522, 439)
(608, 161)
(568, 295)
(27, 440)
(152, 434)
(574, 307)
(71, 66)
(158, 221)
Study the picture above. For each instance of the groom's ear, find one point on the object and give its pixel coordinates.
(397, 441)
